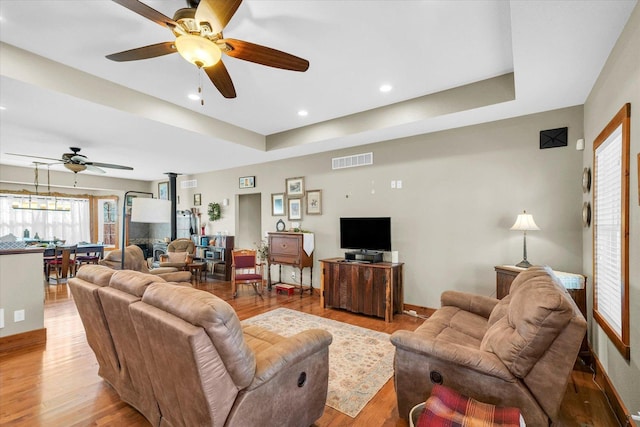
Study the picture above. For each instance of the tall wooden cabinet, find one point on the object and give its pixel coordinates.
(286, 248)
(373, 289)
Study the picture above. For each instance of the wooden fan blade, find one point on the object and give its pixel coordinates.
(148, 12)
(221, 79)
(265, 55)
(34, 157)
(217, 13)
(108, 165)
(144, 52)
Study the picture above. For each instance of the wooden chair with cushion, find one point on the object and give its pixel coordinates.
(63, 263)
(246, 271)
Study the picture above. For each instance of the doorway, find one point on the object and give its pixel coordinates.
(248, 220)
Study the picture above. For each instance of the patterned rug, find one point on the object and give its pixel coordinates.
(360, 360)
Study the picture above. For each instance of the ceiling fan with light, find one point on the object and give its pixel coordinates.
(77, 162)
(198, 38)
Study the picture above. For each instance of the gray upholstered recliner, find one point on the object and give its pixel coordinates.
(134, 260)
(516, 352)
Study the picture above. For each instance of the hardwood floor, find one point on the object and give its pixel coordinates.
(57, 384)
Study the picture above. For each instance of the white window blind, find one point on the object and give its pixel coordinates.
(608, 217)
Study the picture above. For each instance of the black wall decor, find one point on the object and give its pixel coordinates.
(553, 138)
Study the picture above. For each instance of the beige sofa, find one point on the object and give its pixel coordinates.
(181, 357)
(518, 351)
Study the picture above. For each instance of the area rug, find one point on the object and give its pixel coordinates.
(360, 360)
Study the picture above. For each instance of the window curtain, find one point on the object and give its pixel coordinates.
(72, 226)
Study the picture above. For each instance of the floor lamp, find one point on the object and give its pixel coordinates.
(143, 209)
(525, 223)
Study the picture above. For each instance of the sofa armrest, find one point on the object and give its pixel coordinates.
(274, 360)
(473, 303)
(481, 361)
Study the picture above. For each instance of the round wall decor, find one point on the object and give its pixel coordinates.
(586, 214)
(586, 180)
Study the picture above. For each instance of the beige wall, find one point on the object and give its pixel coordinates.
(619, 83)
(462, 190)
(21, 288)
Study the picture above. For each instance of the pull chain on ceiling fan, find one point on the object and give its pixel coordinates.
(199, 40)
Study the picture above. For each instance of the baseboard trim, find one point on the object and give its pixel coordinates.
(621, 412)
(23, 340)
(423, 311)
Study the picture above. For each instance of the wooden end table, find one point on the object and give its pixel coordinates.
(197, 269)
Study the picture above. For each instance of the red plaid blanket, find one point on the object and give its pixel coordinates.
(447, 408)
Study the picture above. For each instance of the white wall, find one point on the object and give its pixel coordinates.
(618, 83)
(462, 190)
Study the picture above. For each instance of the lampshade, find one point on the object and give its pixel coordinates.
(150, 210)
(198, 50)
(525, 222)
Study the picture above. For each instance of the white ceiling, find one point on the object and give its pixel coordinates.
(556, 49)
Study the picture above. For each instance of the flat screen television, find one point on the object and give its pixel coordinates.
(369, 233)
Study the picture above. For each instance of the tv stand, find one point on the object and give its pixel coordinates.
(369, 257)
(372, 289)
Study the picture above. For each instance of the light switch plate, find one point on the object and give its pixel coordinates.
(18, 315)
(1, 318)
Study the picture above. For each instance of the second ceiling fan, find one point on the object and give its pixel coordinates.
(199, 39)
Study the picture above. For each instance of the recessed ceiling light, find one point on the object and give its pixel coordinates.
(303, 113)
(385, 88)
(194, 97)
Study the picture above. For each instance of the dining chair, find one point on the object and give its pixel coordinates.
(63, 263)
(246, 271)
(91, 257)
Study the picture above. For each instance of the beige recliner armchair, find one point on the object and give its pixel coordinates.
(134, 260)
(516, 352)
(207, 370)
(179, 254)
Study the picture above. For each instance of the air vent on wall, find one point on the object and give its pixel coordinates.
(192, 183)
(363, 159)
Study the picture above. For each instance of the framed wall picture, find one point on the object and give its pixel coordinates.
(247, 181)
(197, 199)
(278, 208)
(295, 209)
(295, 186)
(314, 202)
(163, 190)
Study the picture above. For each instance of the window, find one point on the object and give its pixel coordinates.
(106, 221)
(611, 230)
(71, 225)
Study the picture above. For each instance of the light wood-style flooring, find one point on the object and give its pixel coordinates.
(57, 384)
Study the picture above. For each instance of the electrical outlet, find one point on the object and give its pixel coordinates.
(399, 184)
(1, 318)
(18, 316)
(293, 276)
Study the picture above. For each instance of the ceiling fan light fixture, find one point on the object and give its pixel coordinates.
(198, 50)
(75, 167)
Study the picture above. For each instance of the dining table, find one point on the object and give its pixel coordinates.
(81, 249)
